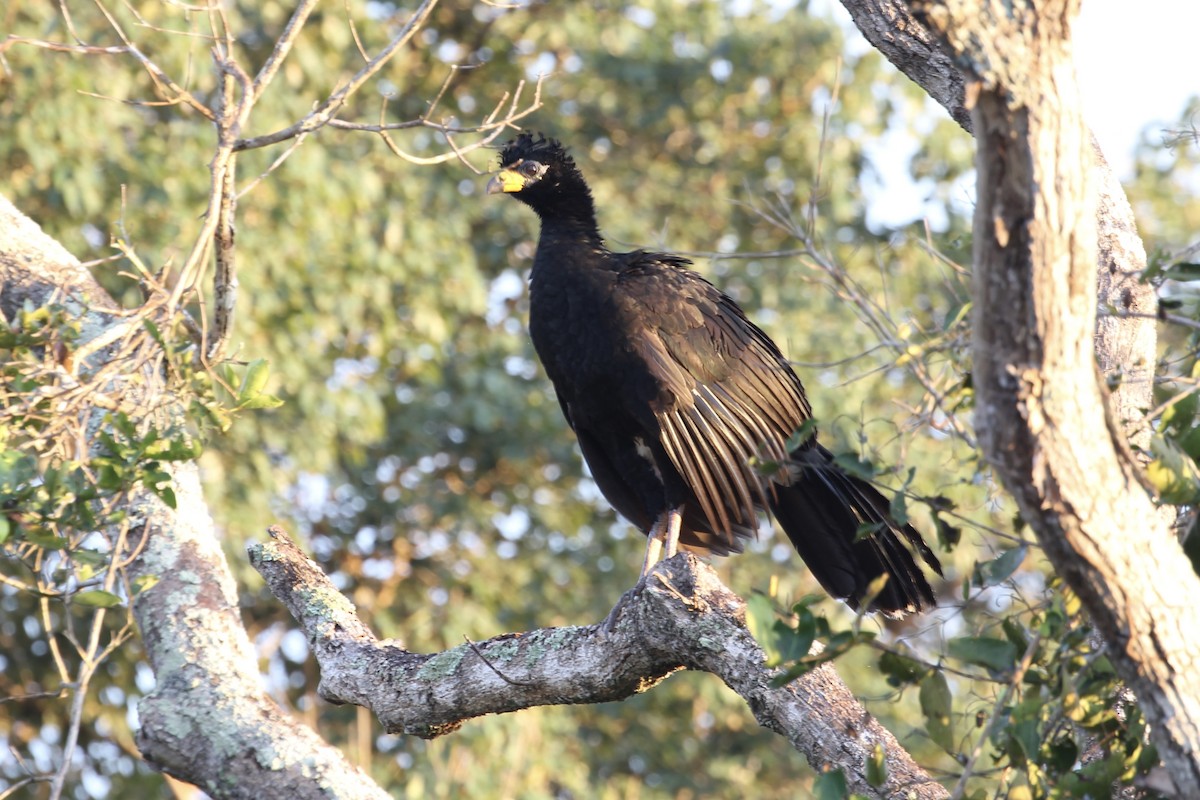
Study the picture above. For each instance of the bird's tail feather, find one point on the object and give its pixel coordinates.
(827, 514)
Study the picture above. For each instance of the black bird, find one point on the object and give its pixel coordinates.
(683, 407)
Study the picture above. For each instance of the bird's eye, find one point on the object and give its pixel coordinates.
(530, 169)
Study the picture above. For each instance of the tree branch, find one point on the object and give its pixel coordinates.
(682, 618)
(208, 721)
(320, 116)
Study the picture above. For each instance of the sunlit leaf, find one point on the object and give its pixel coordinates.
(876, 773)
(97, 598)
(1173, 473)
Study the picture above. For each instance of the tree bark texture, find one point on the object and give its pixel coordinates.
(682, 618)
(1041, 409)
(1126, 336)
(208, 720)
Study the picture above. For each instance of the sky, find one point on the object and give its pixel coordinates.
(1136, 68)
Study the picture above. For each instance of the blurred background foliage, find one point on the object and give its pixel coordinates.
(419, 453)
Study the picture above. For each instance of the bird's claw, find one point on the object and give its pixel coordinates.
(610, 622)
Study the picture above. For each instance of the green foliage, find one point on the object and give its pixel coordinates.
(830, 785)
(1071, 731)
(937, 704)
(1048, 711)
(406, 431)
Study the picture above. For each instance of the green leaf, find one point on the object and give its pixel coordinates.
(830, 785)
(5, 528)
(97, 598)
(1184, 271)
(1191, 545)
(184, 448)
(17, 469)
(1190, 442)
(1025, 734)
(760, 619)
(124, 424)
(1015, 634)
(995, 654)
(999, 569)
(47, 541)
(948, 535)
(155, 333)
(872, 591)
(855, 466)
(876, 767)
(805, 632)
(867, 529)
(110, 477)
(1019, 792)
(143, 582)
(936, 705)
(806, 431)
(166, 494)
(899, 508)
(899, 669)
(90, 557)
(1173, 473)
(255, 379)
(1180, 415)
(261, 401)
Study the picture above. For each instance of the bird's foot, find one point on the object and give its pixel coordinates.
(610, 622)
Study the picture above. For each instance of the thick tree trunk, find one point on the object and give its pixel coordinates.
(1126, 335)
(1042, 410)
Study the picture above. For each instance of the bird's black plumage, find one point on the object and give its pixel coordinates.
(678, 400)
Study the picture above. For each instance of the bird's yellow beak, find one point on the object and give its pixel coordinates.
(507, 181)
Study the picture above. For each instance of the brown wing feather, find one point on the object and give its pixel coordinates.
(731, 398)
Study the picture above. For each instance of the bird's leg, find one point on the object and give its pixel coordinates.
(654, 545)
(671, 534)
(664, 532)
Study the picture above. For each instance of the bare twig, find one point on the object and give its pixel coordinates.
(283, 46)
(274, 165)
(491, 126)
(225, 281)
(998, 716)
(90, 659)
(475, 649)
(232, 118)
(59, 47)
(21, 784)
(162, 81)
(325, 112)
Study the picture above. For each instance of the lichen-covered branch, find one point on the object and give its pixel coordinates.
(682, 618)
(208, 720)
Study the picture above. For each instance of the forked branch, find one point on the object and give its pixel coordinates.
(681, 618)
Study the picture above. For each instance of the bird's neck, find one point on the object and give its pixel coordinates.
(571, 230)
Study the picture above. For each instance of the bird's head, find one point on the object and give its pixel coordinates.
(541, 173)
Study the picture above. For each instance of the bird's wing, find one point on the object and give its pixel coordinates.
(727, 400)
